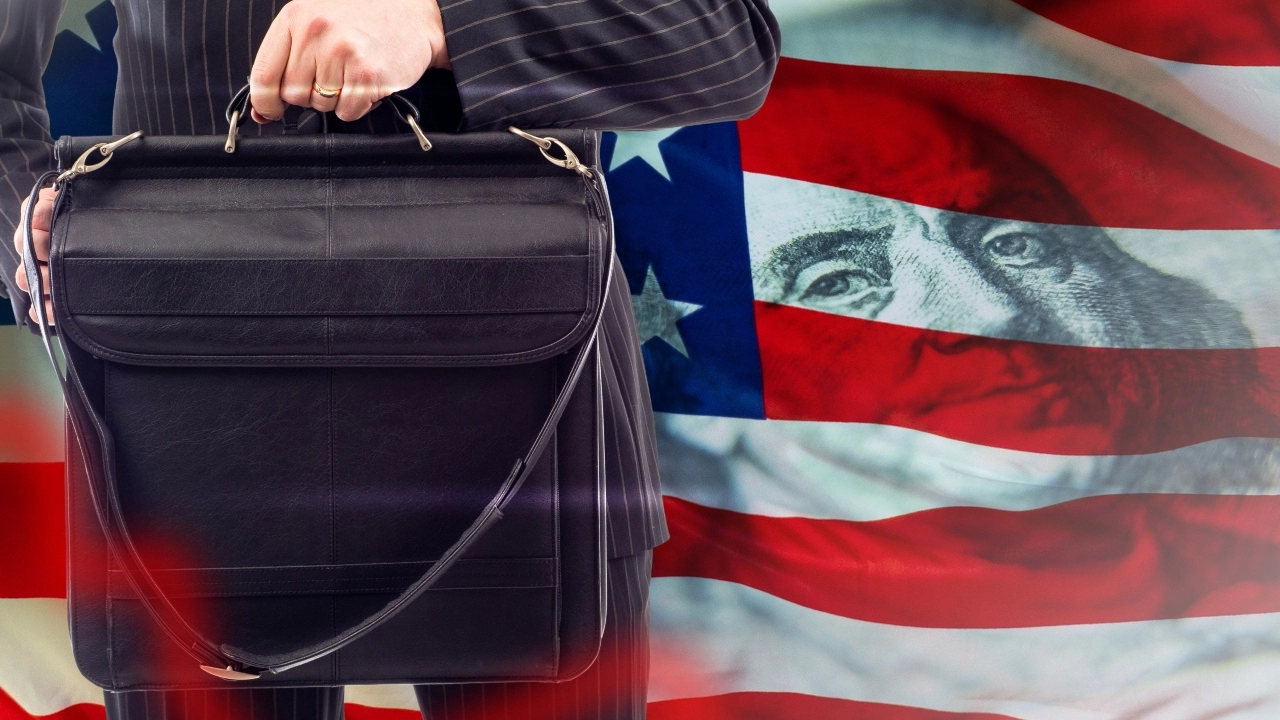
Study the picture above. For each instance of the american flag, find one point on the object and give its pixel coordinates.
(966, 352)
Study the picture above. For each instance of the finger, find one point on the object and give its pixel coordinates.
(48, 312)
(39, 236)
(269, 66)
(300, 73)
(329, 67)
(360, 90)
(22, 223)
(20, 276)
(41, 239)
(44, 209)
(310, 33)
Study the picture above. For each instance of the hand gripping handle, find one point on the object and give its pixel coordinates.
(408, 113)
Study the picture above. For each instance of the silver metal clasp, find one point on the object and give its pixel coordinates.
(569, 161)
(82, 166)
(230, 146)
(423, 142)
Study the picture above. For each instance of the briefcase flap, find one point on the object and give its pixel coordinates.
(329, 249)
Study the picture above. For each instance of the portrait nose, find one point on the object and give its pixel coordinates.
(991, 311)
(1031, 324)
(936, 287)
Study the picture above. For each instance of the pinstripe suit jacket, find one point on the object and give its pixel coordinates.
(534, 63)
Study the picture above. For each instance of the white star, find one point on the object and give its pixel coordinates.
(643, 145)
(656, 316)
(73, 20)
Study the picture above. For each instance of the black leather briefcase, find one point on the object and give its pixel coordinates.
(334, 408)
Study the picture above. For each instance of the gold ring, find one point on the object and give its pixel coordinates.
(325, 92)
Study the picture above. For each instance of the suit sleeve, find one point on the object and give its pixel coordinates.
(609, 64)
(26, 150)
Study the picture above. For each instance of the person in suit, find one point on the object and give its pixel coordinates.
(471, 64)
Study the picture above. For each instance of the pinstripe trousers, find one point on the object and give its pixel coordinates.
(613, 688)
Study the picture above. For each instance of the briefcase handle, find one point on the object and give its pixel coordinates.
(225, 661)
(408, 113)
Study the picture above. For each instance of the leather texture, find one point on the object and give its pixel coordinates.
(323, 246)
(317, 358)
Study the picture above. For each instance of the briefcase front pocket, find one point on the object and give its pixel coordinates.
(293, 426)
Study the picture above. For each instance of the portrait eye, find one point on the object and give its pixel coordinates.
(1015, 248)
(840, 282)
(842, 286)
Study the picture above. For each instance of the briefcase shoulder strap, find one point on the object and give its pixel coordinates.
(96, 446)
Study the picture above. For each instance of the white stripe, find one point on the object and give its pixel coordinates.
(1071, 284)
(712, 637)
(36, 666)
(862, 472)
(396, 697)
(1236, 106)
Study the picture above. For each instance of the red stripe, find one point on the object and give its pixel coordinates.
(1114, 558)
(10, 710)
(1006, 146)
(1059, 399)
(32, 531)
(793, 706)
(1223, 32)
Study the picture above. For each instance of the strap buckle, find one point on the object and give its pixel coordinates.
(569, 161)
(82, 166)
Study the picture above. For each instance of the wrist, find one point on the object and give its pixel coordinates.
(439, 49)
